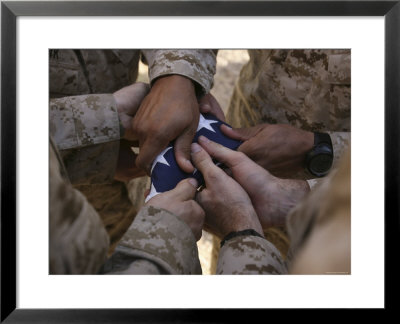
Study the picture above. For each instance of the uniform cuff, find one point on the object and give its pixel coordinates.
(162, 238)
(250, 255)
(80, 121)
(197, 65)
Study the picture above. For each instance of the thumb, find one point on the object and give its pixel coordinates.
(182, 150)
(184, 190)
(208, 104)
(205, 165)
(129, 98)
(242, 134)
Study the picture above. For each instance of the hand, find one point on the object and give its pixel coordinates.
(281, 149)
(126, 167)
(208, 104)
(271, 197)
(170, 112)
(228, 208)
(128, 100)
(179, 201)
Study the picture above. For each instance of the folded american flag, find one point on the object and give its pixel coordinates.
(165, 172)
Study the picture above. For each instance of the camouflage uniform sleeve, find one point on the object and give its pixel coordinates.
(157, 242)
(86, 130)
(197, 65)
(78, 240)
(250, 255)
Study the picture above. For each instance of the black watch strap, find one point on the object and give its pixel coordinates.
(319, 159)
(322, 138)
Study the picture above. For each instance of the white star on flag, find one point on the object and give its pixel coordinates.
(206, 123)
(161, 159)
(153, 192)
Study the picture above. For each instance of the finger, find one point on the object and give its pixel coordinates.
(137, 92)
(182, 150)
(194, 217)
(201, 197)
(223, 154)
(148, 152)
(130, 97)
(184, 190)
(208, 104)
(242, 134)
(205, 165)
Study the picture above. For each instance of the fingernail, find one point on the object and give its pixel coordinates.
(204, 139)
(195, 148)
(193, 182)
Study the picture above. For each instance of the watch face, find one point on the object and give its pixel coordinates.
(320, 164)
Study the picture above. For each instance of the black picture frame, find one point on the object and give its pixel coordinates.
(10, 10)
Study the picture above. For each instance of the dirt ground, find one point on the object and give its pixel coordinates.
(229, 64)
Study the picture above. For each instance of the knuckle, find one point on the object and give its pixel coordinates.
(141, 162)
(193, 205)
(239, 155)
(213, 175)
(155, 131)
(145, 87)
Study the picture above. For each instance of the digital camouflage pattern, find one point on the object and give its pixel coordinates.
(200, 63)
(85, 72)
(87, 133)
(157, 242)
(308, 89)
(78, 238)
(250, 255)
(320, 235)
(78, 241)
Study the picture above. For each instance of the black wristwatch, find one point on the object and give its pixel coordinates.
(319, 159)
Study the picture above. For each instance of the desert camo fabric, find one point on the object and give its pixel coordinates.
(156, 240)
(306, 88)
(79, 243)
(250, 255)
(88, 72)
(309, 89)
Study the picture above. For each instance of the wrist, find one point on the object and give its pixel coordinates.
(175, 79)
(250, 221)
(295, 191)
(307, 142)
(245, 232)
